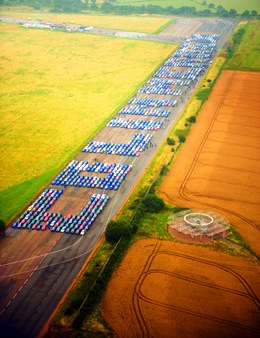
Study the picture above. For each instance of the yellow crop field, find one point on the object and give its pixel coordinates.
(56, 90)
(128, 23)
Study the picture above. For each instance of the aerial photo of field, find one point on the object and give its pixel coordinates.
(219, 167)
(61, 93)
(166, 289)
(67, 93)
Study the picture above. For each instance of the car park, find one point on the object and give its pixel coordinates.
(169, 82)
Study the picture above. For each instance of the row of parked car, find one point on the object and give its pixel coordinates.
(206, 39)
(190, 74)
(138, 143)
(182, 62)
(72, 175)
(165, 83)
(33, 217)
(150, 89)
(79, 224)
(148, 102)
(126, 123)
(37, 217)
(139, 110)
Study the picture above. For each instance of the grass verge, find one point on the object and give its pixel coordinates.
(245, 55)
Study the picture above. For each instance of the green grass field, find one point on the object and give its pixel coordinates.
(238, 5)
(162, 3)
(57, 89)
(247, 56)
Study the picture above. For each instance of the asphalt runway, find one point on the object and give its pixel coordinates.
(35, 302)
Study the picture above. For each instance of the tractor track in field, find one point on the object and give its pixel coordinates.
(138, 295)
(184, 191)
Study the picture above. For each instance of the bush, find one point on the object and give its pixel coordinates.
(139, 210)
(117, 229)
(164, 169)
(170, 141)
(191, 119)
(153, 203)
(182, 138)
(203, 94)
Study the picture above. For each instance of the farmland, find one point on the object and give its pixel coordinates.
(131, 23)
(162, 286)
(55, 95)
(225, 165)
(216, 169)
(185, 276)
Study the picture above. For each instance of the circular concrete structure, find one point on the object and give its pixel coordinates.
(198, 224)
(198, 220)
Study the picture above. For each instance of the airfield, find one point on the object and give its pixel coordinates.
(35, 277)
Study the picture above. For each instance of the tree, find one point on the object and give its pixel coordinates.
(153, 203)
(93, 5)
(233, 12)
(118, 229)
(245, 14)
(2, 228)
(170, 141)
(205, 12)
(182, 138)
(191, 119)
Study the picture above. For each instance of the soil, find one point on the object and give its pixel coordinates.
(166, 289)
(218, 168)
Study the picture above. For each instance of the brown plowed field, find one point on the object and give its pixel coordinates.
(164, 289)
(218, 168)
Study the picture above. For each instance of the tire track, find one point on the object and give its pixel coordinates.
(200, 315)
(138, 294)
(135, 296)
(183, 189)
(236, 275)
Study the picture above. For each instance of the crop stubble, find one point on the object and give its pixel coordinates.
(218, 168)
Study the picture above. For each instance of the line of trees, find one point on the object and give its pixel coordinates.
(109, 6)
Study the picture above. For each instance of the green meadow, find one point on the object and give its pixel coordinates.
(238, 5)
(57, 89)
(163, 3)
(247, 55)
